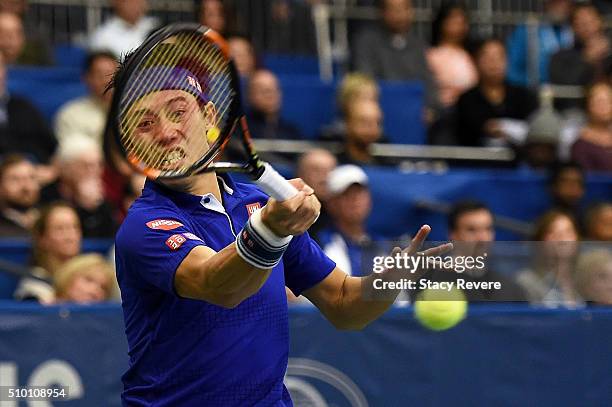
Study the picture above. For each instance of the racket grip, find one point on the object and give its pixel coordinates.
(275, 185)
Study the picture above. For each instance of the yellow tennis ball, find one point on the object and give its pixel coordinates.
(213, 134)
(439, 310)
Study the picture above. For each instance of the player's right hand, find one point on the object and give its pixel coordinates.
(293, 216)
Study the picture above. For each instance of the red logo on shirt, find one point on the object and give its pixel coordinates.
(164, 224)
(251, 208)
(174, 242)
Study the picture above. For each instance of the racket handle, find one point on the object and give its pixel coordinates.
(275, 185)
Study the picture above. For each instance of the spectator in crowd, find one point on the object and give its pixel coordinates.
(598, 222)
(493, 112)
(450, 62)
(16, 48)
(125, 30)
(264, 106)
(243, 54)
(23, 128)
(353, 86)
(86, 116)
(314, 167)
(19, 196)
(594, 276)
(214, 14)
(364, 127)
(56, 238)
(531, 45)
(544, 128)
(80, 183)
(470, 227)
(550, 281)
(566, 186)
(588, 60)
(347, 241)
(452, 67)
(593, 149)
(291, 28)
(84, 279)
(391, 51)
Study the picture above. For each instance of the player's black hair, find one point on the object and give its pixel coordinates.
(445, 10)
(90, 59)
(463, 207)
(559, 168)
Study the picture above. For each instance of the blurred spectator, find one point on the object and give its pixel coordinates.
(243, 54)
(133, 190)
(56, 237)
(291, 28)
(594, 276)
(493, 112)
(391, 51)
(448, 59)
(16, 48)
(470, 227)
(314, 167)
(19, 196)
(544, 128)
(346, 240)
(590, 57)
(364, 124)
(84, 279)
(550, 281)
(593, 149)
(213, 14)
(23, 128)
(452, 67)
(265, 99)
(353, 86)
(598, 222)
(566, 187)
(86, 116)
(80, 183)
(125, 30)
(531, 45)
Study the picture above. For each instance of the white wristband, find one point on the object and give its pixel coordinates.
(272, 238)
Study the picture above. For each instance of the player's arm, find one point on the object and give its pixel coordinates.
(346, 301)
(227, 278)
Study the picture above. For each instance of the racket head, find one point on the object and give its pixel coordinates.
(176, 102)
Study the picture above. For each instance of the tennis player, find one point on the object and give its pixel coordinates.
(203, 263)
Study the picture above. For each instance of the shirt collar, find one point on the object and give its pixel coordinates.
(230, 193)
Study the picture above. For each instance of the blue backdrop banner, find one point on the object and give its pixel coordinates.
(507, 355)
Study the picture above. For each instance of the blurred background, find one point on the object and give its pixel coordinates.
(490, 120)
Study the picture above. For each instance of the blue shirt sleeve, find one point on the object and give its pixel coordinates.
(305, 264)
(150, 247)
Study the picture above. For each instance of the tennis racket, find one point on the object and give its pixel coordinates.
(177, 103)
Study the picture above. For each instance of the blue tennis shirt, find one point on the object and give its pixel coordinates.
(187, 352)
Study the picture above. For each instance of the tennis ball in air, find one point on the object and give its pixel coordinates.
(440, 309)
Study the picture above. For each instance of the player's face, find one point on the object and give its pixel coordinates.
(173, 126)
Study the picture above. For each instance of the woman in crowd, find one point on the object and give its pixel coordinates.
(593, 149)
(550, 281)
(56, 238)
(85, 279)
(594, 276)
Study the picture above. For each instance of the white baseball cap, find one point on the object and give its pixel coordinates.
(343, 176)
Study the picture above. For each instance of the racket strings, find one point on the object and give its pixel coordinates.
(204, 61)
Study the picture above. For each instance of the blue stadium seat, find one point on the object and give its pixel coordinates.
(68, 55)
(47, 88)
(17, 251)
(310, 104)
(282, 64)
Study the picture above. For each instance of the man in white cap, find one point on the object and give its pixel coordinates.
(350, 204)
